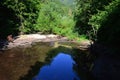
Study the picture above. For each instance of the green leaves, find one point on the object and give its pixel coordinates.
(47, 16)
(26, 12)
(54, 18)
(89, 15)
(97, 20)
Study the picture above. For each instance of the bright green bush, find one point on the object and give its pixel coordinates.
(56, 18)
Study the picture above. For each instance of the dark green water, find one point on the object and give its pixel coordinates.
(45, 61)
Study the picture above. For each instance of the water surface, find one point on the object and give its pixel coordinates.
(61, 68)
(44, 61)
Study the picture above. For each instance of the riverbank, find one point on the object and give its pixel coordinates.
(24, 63)
(28, 39)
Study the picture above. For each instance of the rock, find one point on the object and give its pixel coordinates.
(84, 45)
(27, 40)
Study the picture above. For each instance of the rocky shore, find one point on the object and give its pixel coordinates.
(27, 40)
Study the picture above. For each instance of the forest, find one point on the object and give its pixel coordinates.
(96, 20)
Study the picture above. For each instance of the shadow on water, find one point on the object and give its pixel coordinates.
(46, 70)
(27, 64)
(107, 48)
(33, 71)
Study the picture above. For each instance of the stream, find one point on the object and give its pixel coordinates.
(45, 61)
(61, 68)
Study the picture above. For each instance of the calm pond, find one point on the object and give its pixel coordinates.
(61, 68)
(45, 61)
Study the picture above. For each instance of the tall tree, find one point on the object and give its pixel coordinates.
(26, 12)
(84, 10)
(18, 7)
(106, 22)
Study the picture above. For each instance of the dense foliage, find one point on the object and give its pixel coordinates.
(63, 17)
(21, 14)
(46, 16)
(84, 11)
(108, 33)
(99, 20)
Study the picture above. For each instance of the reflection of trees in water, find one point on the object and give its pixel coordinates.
(81, 59)
(33, 71)
(84, 62)
(54, 52)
